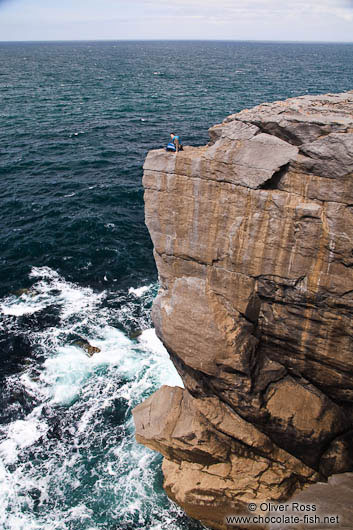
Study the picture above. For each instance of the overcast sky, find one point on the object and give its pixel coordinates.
(303, 20)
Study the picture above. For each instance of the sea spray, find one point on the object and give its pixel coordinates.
(70, 461)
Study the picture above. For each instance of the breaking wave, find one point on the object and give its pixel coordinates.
(68, 457)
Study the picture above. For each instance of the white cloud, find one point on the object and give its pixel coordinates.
(199, 19)
(266, 8)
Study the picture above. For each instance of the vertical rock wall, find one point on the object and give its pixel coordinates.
(253, 240)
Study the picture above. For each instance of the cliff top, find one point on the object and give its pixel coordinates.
(254, 148)
(301, 119)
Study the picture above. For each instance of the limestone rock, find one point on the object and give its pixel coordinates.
(253, 241)
(333, 500)
(215, 462)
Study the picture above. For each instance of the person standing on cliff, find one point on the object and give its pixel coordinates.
(176, 141)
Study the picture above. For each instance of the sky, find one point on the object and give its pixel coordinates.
(288, 20)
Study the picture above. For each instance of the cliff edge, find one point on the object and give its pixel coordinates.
(253, 240)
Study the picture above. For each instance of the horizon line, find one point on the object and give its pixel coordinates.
(176, 40)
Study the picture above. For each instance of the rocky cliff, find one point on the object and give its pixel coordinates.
(253, 240)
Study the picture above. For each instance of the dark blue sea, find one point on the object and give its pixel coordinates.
(76, 264)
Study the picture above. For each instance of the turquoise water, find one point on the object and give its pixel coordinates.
(77, 121)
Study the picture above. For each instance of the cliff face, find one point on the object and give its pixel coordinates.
(253, 239)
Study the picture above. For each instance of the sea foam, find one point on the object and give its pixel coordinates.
(74, 453)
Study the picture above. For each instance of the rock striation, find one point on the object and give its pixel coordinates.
(253, 240)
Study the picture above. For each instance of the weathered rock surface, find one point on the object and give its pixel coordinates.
(332, 500)
(253, 239)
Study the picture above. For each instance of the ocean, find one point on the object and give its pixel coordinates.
(76, 263)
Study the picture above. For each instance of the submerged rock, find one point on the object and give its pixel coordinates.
(253, 241)
(85, 345)
(22, 291)
(135, 333)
